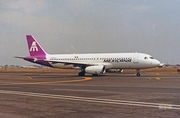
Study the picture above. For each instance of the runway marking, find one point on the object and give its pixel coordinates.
(23, 77)
(157, 74)
(82, 90)
(29, 77)
(94, 100)
(165, 106)
(19, 77)
(157, 78)
(52, 82)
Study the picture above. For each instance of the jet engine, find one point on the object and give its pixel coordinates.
(95, 69)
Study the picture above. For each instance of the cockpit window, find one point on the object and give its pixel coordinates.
(151, 57)
(148, 58)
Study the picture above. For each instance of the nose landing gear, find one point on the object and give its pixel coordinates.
(137, 72)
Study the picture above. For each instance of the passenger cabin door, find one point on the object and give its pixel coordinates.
(136, 58)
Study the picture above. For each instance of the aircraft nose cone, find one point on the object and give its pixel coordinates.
(156, 63)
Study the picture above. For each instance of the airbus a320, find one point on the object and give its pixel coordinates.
(96, 63)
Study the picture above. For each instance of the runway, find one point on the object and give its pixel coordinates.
(34, 95)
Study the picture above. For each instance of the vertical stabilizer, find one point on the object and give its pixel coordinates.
(34, 48)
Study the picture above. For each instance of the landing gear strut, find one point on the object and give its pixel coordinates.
(137, 72)
(82, 73)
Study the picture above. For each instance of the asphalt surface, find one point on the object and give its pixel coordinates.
(52, 95)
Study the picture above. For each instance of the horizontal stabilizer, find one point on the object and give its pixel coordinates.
(30, 58)
(19, 57)
(69, 62)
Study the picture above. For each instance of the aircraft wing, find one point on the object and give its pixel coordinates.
(55, 61)
(108, 65)
(64, 62)
(70, 62)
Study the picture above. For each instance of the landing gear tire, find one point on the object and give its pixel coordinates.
(81, 74)
(138, 74)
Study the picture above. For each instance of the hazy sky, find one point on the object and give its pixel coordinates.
(89, 26)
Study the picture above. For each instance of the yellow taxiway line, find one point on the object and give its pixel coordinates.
(19, 77)
(52, 82)
(157, 78)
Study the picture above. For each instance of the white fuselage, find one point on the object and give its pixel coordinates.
(97, 63)
(109, 60)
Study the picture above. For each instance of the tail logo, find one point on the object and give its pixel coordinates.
(33, 46)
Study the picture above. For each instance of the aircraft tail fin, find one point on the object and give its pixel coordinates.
(34, 47)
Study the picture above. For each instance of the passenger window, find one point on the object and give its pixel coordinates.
(145, 57)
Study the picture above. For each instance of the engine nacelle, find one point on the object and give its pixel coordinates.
(115, 70)
(95, 69)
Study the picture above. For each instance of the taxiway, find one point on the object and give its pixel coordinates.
(26, 95)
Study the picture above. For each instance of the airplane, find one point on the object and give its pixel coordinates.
(95, 64)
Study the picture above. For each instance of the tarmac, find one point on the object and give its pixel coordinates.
(66, 95)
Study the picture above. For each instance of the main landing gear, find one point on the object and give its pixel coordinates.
(137, 72)
(82, 73)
